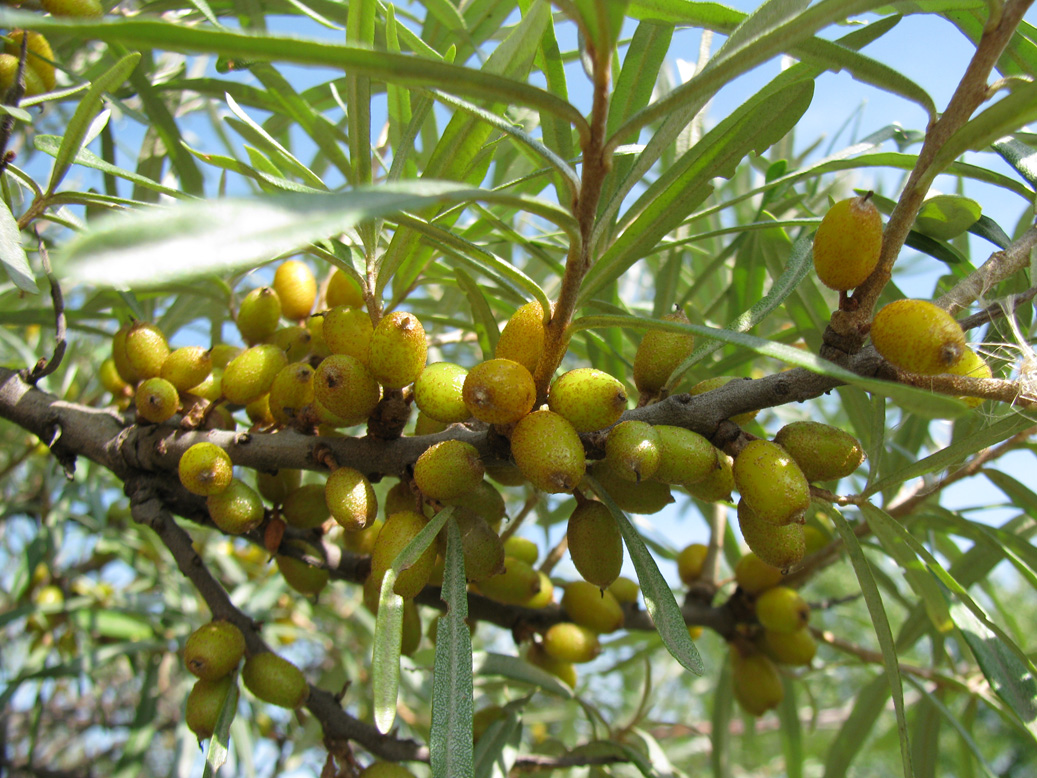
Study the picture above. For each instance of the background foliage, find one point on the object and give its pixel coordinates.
(460, 159)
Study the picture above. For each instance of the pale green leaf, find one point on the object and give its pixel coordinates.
(12, 255)
(385, 653)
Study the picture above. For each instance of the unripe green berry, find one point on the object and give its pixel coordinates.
(73, 8)
(385, 770)
(659, 354)
(781, 609)
(516, 585)
(718, 484)
(548, 451)
(595, 543)
(482, 547)
(589, 399)
(351, 498)
(258, 315)
(538, 657)
(204, 704)
(448, 470)
(757, 684)
(291, 392)
(205, 469)
(214, 650)
(275, 680)
(625, 590)
(348, 331)
(399, 529)
(275, 487)
(754, 575)
(439, 392)
(771, 483)
(823, 452)
(306, 507)
(632, 450)
(146, 350)
(790, 648)
(645, 497)
(521, 548)
(302, 577)
(251, 374)
(237, 509)
(295, 341)
(685, 457)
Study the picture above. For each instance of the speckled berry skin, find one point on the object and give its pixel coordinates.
(595, 543)
(499, 391)
(345, 387)
(632, 450)
(275, 680)
(771, 483)
(187, 367)
(823, 452)
(204, 704)
(780, 547)
(296, 287)
(399, 350)
(157, 400)
(522, 339)
(847, 243)
(251, 373)
(917, 336)
(448, 470)
(439, 393)
(214, 650)
(258, 315)
(685, 457)
(659, 354)
(144, 351)
(548, 451)
(237, 509)
(399, 530)
(291, 392)
(590, 399)
(351, 499)
(205, 469)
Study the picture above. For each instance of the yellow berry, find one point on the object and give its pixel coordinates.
(522, 339)
(251, 373)
(157, 400)
(659, 354)
(346, 388)
(343, 290)
(439, 393)
(258, 315)
(398, 350)
(917, 336)
(972, 365)
(548, 451)
(690, 562)
(296, 288)
(847, 243)
(778, 546)
(499, 391)
(205, 469)
(40, 56)
(771, 482)
(590, 399)
(351, 498)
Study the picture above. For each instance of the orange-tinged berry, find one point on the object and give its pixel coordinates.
(499, 391)
(522, 339)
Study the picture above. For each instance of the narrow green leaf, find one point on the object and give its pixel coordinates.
(12, 255)
(380, 65)
(88, 108)
(482, 317)
(497, 748)
(1011, 679)
(600, 20)
(659, 600)
(50, 144)
(450, 740)
(196, 238)
(512, 668)
(219, 743)
(853, 735)
(723, 712)
(955, 454)
(251, 130)
(791, 730)
(966, 738)
(1021, 156)
(873, 599)
(385, 653)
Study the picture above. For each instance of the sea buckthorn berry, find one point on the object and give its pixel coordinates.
(157, 400)
(205, 469)
(754, 575)
(348, 331)
(847, 243)
(632, 450)
(625, 590)
(917, 336)
(570, 642)
(40, 56)
(778, 546)
(278, 485)
(251, 374)
(771, 483)
(823, 452)
(351, 498)
(522, 339)
(76, 8)
(346, 388)
(237, 509)
(214, 650)
(9, 72)
(221, 355)
(516, 585)
(291, 392)
(296, 342)
(499, 391)
(187, 367)
(296, 288)
(448, 470)
(275, 680)
(302, 577)
(399, 530)
(564, 671)
(426, 425)
(146, 350)
(690, 562)
(204, 704)
(595, 543)
(972, 365)
(757, 684)
(685, 457)
(590, 607)
(781, 609)
(399, 350)
(790, 648)
(439, 393)
(548, 451)
(590, 399)
(643, 497)
(522, 548)
(110, 379)
(258, 315)
(485, 500)
(385, 770)
(343, 290)
(659, 354)
(482, 547)
(306, 507)
(716, 486)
